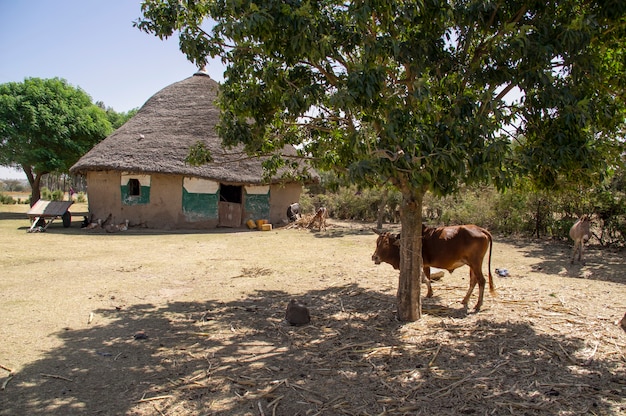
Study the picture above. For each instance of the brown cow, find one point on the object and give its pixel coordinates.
(386, 253)
(446, 248)
(580, 234)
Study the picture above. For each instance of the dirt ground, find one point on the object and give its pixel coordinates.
(145, 322)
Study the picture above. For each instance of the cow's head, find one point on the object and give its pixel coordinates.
(387, 249)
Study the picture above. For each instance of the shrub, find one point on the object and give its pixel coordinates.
(46, 194)
(510, 215)
(7, 199)
(521, 209)
(348, 203)
(471, 206)
(58, 195)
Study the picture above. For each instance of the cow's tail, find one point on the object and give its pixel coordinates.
(492, 288)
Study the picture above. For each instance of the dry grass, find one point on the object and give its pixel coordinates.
(191, 323)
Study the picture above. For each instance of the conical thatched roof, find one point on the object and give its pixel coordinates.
(157, 139)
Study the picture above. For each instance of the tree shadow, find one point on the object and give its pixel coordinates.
(339, 232)
(13, 216)
(75, 229)
(435, 308)
(242, 358)
(554, 257)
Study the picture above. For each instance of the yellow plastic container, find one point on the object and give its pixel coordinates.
(266, 227)
(259, 223)
(251, 224)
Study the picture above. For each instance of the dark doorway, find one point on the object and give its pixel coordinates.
(230, 193)
(229, 206)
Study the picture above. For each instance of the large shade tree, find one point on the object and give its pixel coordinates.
(417, 94)
(46, 125)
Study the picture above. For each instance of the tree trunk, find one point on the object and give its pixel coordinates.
(35, 194)
(34, 180)
(538, 218)
(408, 296)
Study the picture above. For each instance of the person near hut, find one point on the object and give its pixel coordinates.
(293, 212)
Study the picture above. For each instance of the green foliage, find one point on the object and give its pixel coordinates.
(199, 154)
(57, 195)
(412, 93)
(46, 194)
(609, 205)
(49, 195)
(348, 203)
(46, 125)
(510, 215)
(518, 211)
(471, 206)
(116, 119)
(7, 199)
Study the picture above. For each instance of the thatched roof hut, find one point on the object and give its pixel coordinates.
(139, 172)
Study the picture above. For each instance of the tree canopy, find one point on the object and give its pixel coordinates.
(46, 125)
(423, 95)
(117, 119)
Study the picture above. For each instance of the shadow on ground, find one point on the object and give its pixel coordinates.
(554, 257)
(240, 358)
(333, 231)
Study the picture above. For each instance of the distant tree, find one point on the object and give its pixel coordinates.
(412, 93)
(12, 185)
(46, 125)
(116, 119)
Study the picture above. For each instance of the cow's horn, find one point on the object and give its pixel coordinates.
(377, 231)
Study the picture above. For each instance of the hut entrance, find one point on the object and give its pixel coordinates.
(229, 206)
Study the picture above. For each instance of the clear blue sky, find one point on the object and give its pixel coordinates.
(93, 45)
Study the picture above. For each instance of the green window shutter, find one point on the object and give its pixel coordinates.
(135, 189)
(257, 204)
(200, 198)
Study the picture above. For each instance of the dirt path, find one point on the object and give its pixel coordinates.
(151, 323)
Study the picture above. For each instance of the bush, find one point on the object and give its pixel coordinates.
(472, 206)
(510, 215)
(7, 199)
(58, 195)
(519, 210)
(349, 203)
(47, 195)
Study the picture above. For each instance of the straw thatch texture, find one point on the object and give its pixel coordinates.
(157, 139)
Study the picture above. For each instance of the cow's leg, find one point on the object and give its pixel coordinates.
(578, 247)
(472, 284)
(580, 251)
(479, 278)
(481, 289)
(426, 279)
